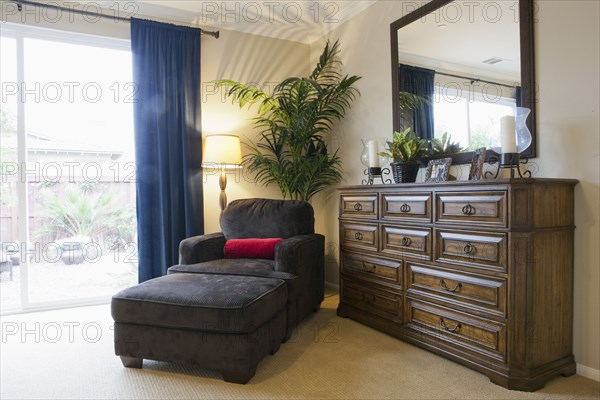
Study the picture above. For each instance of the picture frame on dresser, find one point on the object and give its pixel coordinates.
(476, 170)
(438, 170)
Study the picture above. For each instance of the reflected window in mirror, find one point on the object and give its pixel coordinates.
(470, 111)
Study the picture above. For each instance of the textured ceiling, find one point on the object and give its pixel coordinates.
(299, 20)
(444, 43)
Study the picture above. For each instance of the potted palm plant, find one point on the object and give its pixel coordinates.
(80, 216)
(405, 148)
(295, 121)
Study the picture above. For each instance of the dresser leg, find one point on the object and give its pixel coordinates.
(569, 371)
(341, 313)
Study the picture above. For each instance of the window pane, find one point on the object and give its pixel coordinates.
(10, 287)
(485, 123)
(451, 117)
(79, 128)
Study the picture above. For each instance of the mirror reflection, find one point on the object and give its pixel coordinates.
(460, 72)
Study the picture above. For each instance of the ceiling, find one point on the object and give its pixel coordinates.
(460, 45)
(295, 20)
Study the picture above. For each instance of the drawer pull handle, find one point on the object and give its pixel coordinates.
(357, 207)
(405, 208)
(368, 267)
(469, 248)
(447, 328)
(368, 298)
(468, 210)
(446, 288)
(358, 236)
(406, 241)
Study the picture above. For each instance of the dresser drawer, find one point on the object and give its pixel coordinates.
(406, 207)
(377, 302)
(372, 269)
(359, 236)
(406, 241)
(476, 208)
(479, 294)
(359, 206)
(459, 330)
(473, 249)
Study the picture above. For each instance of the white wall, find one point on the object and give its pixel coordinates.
(247, 59)
(567, 72)
(567, 64)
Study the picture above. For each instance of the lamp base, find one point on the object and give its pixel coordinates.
(223, 196)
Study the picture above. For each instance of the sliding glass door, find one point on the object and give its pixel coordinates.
(68, 218)
(10, 276)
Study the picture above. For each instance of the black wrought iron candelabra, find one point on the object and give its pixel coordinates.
(510, 161)
(376, 172)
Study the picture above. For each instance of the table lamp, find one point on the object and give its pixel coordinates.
(222, 152)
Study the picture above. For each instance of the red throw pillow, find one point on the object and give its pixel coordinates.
(251, 248)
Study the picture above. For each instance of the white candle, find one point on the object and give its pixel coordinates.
(374, 154)
(508, 134)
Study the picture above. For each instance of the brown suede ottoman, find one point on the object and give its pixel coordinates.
(224, 322)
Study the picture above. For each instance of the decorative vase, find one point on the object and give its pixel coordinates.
(523, 133)
(405, 172)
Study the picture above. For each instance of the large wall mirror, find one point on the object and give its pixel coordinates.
(479, 56)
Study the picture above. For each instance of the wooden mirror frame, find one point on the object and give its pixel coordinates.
(528, 88)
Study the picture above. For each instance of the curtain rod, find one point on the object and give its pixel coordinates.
(21, 3)
(475, 79)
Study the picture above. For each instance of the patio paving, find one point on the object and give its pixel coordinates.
(59, 281)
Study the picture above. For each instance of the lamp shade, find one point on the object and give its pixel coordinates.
(224, 150)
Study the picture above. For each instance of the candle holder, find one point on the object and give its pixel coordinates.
(376, 172)
(510, 161)
(520, 141)
(372, 159)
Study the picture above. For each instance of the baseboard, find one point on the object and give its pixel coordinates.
(588, 372)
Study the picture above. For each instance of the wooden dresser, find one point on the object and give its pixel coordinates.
(478, 272)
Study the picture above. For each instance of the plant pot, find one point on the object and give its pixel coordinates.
(72, 249)
(404, 173)
(72, 254)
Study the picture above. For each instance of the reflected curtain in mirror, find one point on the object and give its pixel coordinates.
(519, 96)
(420, 82)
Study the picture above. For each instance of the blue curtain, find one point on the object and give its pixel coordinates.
(519, 96)
(168, 141)
(420, 81)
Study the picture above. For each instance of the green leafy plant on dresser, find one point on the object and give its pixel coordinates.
(443, 145)
(405, 149)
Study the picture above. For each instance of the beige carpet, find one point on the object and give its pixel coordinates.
(68, 354)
